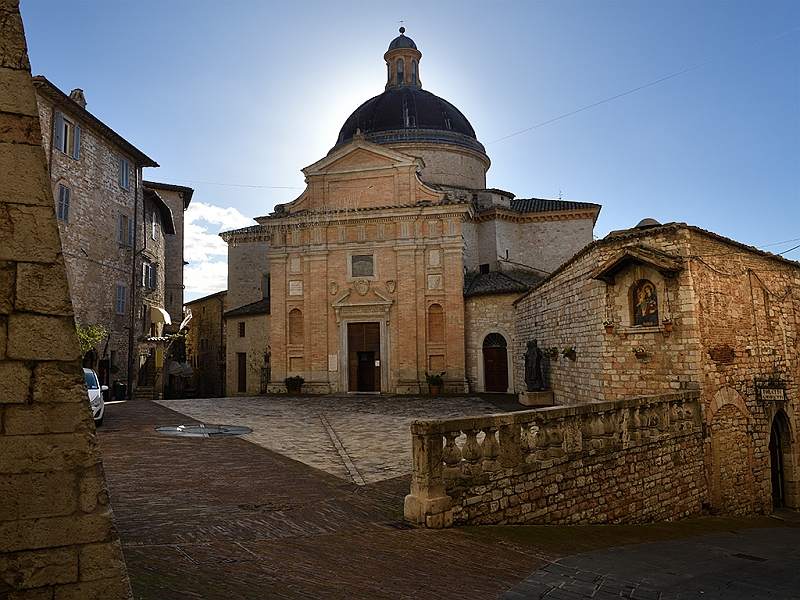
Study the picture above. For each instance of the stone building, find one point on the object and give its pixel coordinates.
(687, 310)
(365, 270)
(205, 345)
(57, 534)
(117, 233)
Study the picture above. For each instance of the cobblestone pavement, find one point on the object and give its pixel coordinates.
(753, 563)
(364, 439)
(308, 506)
(223, 518)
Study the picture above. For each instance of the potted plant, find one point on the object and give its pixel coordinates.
(294, 383)
(550, 352)
(609, 325)
(639, 351)
(435, 382)
(667, 322)
(570, 353)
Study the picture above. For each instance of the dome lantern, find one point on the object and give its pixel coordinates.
(402, 62)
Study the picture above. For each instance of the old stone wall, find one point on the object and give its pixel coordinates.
(733, 330)
(206, 345)
(57, 535)
(247, 266)
(247, 335)
(632, 461)
(97, 263)
(484, 315)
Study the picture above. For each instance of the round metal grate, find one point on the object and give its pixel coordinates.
(203, 430)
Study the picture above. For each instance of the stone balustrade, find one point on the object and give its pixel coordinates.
(632, 460)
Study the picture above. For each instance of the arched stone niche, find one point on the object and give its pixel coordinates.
(623, 295)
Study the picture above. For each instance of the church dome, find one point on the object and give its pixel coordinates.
(401, 41)
(405, 113)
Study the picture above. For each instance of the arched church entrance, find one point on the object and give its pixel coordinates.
(495, 363)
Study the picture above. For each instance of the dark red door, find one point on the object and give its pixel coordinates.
(242, 360)
(495, 369)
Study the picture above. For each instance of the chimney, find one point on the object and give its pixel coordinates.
(78, 97)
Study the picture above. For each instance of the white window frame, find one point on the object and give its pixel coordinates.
(154, 228)
(62, 203)
(67, 136)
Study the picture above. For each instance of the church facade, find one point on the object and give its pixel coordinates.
(396, 260)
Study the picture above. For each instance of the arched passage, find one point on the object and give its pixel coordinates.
(781, 463)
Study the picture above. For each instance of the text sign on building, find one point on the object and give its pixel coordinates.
(772, 394)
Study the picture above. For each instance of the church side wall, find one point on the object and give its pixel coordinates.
(545, 245)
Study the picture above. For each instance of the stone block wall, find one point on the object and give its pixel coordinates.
(57, 535)
(484, 315)
(96, 262)
(632, 461)
(206, 345)
(734, 328)
(255, 345)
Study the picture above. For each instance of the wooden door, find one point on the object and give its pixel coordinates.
(495, 369)
(364, 356)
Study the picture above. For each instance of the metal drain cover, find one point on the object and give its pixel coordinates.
(203, 430)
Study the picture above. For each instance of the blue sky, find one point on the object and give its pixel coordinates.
(234, 98)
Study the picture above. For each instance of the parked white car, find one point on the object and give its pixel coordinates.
(95, 396)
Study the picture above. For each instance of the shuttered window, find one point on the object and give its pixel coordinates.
(68, 136)
(124, 173)
(121, 297)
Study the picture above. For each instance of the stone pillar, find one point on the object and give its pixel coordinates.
(57, 535)
(428, 503)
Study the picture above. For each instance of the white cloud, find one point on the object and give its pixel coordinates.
(204, 250)
(205, 278)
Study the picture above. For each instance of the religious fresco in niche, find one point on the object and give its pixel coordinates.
(645, 303)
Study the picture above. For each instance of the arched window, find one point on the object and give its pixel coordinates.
(399, 70)
(494, 340)
(414, 72)
(388, 72)
(435, 323)
(644, 303)
(295, 326)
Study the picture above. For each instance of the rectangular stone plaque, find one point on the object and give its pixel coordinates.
(333, 362)
(772, 394)
(295, 288)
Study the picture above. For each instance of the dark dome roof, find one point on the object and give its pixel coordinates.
(409, 114)
(401, 41)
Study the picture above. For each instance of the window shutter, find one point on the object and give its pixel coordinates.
(130, 231)
(121, 292)
(76, 142)
(59, 131)
(145, 274)
(153, 276)
(122, 227)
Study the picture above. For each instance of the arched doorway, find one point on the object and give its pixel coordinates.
(495, 363)
(776, 466)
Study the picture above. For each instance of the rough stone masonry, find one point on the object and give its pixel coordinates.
(57, 534)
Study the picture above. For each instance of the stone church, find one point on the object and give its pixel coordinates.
(396, 260)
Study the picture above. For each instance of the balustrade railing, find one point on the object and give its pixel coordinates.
(451, 453)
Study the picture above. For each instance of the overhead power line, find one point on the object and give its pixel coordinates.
(647, 85)
(244, 185)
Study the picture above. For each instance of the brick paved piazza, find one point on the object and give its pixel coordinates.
(363, 439)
